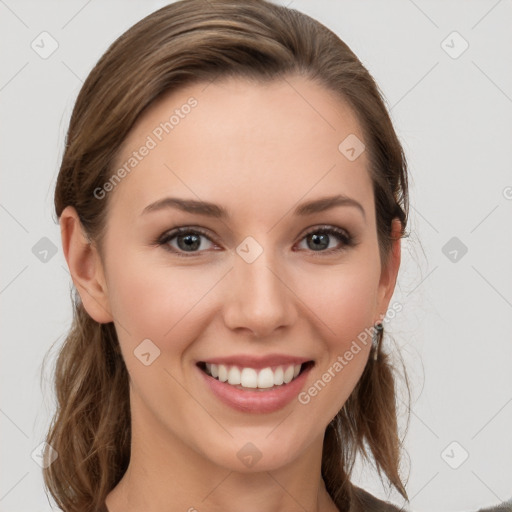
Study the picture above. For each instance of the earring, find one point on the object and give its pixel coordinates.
(376, 339)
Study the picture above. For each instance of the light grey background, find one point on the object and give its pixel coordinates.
(453, 114)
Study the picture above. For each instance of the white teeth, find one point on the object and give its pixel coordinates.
(266, 378)
(234, 376)
(223, 373)
(279, 376)
(251, 378)
(288, 374)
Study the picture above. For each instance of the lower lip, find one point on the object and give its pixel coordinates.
(256, 401)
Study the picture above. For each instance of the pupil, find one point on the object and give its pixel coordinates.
(320, 241)
(190, 242)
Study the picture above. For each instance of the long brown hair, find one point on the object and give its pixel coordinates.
(185, 42)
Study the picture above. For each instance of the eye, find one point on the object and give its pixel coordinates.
(188, 241)
(320, 238)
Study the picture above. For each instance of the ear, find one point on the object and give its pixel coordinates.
(389, 272)
(85, 266)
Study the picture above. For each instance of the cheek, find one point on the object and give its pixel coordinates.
(343, 298)
(343, 301)
(157, 302)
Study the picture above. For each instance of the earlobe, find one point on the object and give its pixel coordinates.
(389, 273)
(85, 266)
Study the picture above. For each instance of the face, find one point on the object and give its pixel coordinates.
(256, 287)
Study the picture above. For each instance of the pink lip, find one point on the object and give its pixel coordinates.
(246, 361)
(256, 401)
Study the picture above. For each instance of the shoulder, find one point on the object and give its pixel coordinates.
(503, 507)
(366, 502)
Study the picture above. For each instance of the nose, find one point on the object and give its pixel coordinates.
(259, 299)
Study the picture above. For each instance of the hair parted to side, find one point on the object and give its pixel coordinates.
(185, 42)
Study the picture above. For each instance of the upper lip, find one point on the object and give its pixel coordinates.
(256, 362)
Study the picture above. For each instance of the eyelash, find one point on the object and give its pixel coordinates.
(345, 237)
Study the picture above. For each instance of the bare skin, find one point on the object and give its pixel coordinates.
(259, 151)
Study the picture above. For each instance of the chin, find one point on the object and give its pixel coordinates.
(255, 450)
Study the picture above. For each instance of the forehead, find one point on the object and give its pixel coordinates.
(265, 141)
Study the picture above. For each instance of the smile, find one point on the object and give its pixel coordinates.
(251, 378)
(252, 385)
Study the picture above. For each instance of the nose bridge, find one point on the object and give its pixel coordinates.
(259, 300)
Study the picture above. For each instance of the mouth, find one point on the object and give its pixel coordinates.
(255, 379)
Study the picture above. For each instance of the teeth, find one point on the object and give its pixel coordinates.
(251, 378)
(288, 374)
(266, 378)
(279, 376)
(223, 373)
(234, 376)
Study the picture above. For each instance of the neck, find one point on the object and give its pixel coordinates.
(164, 474)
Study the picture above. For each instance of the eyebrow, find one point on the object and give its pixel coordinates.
(213, 210)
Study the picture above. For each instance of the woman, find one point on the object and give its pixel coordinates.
(231, 199)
